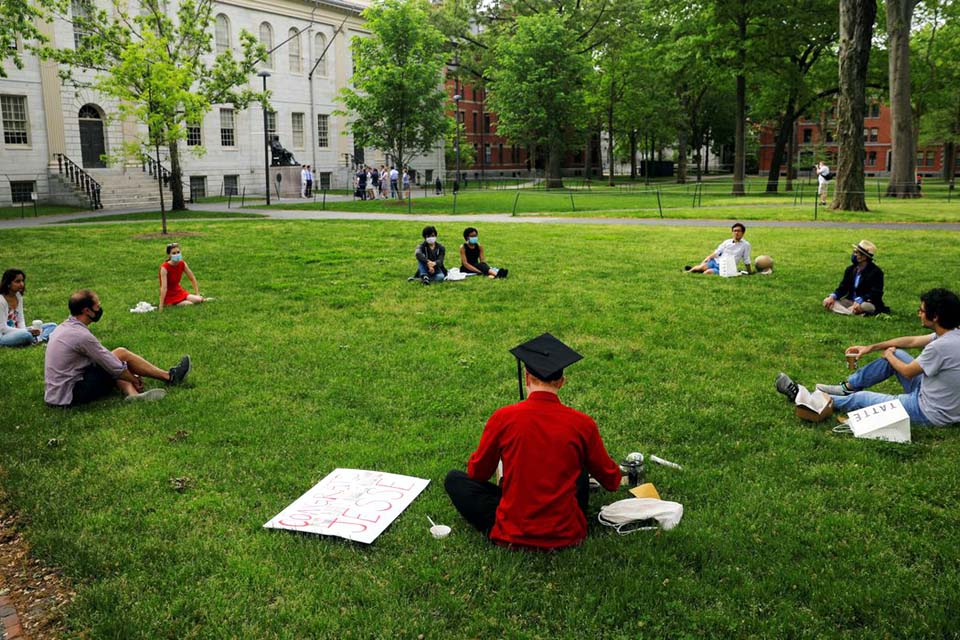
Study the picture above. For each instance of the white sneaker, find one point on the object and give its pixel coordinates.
(148, 396)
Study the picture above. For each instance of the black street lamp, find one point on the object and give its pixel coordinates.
(266, 135)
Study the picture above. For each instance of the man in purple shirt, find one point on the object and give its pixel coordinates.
(78, 369)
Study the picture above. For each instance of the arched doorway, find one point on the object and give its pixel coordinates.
(92, 144)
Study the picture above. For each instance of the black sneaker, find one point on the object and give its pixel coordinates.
(688, 267)
(787, 387)
(179, 373)
(503, 273)
(425, 279)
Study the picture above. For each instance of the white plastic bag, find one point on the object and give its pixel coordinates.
(625, 515)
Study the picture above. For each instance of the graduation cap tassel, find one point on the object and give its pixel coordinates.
(519, 381)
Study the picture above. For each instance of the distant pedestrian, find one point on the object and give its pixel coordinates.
(303, 181)
(394, 182)
(309, 190)
(362, 183)
(439, 186)
(406, 183)
(823, 179)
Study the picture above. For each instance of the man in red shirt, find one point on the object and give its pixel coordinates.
(547, 451)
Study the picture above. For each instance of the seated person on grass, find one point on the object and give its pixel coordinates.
(736, 247)
(547, 450)
(14, 331)
(430, 255)
(78, 369)
(860, 292)
(171, 272)
(931, 383)
(472, 260)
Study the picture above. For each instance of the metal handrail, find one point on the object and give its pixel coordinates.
(80, 179)
(151, 166)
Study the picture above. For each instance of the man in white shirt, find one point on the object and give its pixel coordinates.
(822, 181)
(736, 247)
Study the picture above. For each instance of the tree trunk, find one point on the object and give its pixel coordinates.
(903, 169)
(555, 164)
(740, 131)
(682, 156)
(949, 161)
(779, 147)
(856, 31)
(791, 156)
(706, 156)
(586, 155)
(176, 179)
(610, 158)
(633, 154)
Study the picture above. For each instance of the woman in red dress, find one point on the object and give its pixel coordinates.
(171, 271)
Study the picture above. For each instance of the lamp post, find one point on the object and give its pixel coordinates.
(266, 135)
(456, 140)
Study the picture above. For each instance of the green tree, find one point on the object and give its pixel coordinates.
(903, 144)
(19, 27)
(936, 92)
(398, 101)
(537, 87)
(157, 65)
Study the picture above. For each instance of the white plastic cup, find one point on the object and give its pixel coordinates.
(38, 325)
(439, 531)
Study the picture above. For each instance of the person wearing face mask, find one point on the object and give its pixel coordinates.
(472, 260)
(78, 369)
(171, 271)
(861, 290)
(429, 255)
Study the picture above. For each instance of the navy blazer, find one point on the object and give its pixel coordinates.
(870, 288)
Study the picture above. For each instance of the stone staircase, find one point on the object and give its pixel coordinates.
(129, 188)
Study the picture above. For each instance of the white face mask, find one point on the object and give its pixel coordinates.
(432, 240)
(176, 257)
(624, 515)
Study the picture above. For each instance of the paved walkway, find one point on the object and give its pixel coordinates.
(291, 214)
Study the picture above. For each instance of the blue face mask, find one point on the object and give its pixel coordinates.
(853, 258)
(175, 258)
(473, 240)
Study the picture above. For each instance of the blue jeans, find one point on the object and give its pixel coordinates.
(875, 373)
(437, 274)
(22, 337)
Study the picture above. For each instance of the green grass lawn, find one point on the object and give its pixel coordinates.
(674, 201)
(318, 354)
(155, 216)
(26, 211)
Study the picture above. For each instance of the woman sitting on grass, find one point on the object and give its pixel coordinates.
(14, 331)
(171, 271)
(472, 260)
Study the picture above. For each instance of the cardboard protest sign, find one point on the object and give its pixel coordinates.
(885, 421)
(350, 503)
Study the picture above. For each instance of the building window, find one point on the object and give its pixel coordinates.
(486, 153)
(874, 134)
(875, 110)
(194, 135)
(294, 46)
(266, 39)
(486, 123)
(22, 191)
(919, 158)
(198, 187)
(463, 117)
(16, 45)
(475, 129)
(222, 33)
(807, 136)
(320, 44)
(829, 135)
(866, 135)
(81, 13)
(323, 131)
(929, 158)
(500, 153)
(296, 126)
(227, 132)
(324, 181)
(428, 176)
(872, 159)
(271, 124)
(231, 185)
(16, 128)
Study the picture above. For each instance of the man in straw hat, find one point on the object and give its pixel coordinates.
(861, 290)
(547, 450)
(931, 383)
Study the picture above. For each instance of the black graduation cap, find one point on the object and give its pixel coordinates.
(545, 357)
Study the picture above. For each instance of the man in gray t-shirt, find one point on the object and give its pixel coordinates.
(931, 383)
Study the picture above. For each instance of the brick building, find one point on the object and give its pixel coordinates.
(815, 138)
